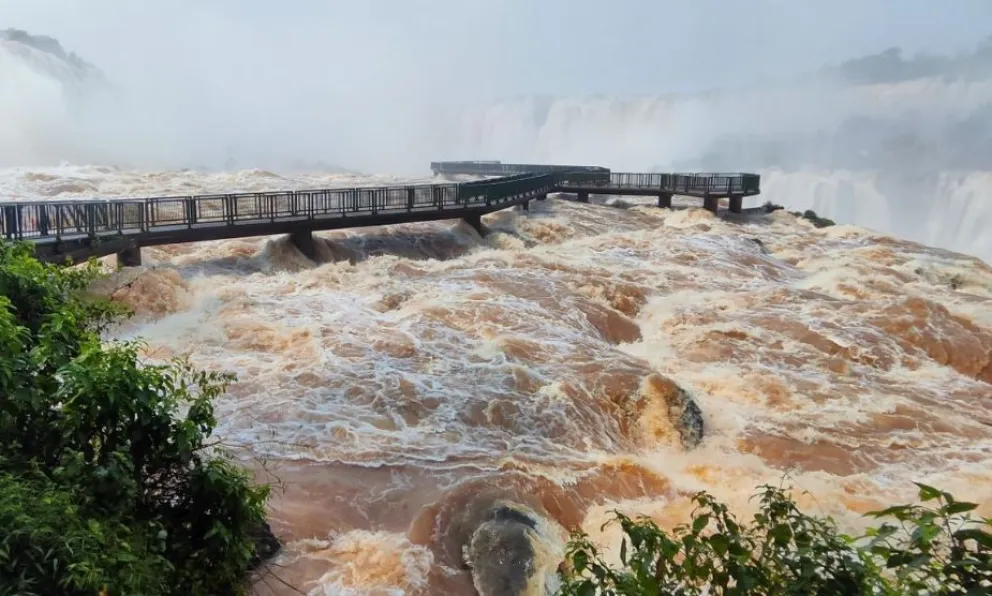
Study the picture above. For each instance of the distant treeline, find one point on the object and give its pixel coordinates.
(920, 139)
(891, 66)
(45, 44)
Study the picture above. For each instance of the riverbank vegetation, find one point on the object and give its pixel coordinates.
(110, 482)
(935, 548)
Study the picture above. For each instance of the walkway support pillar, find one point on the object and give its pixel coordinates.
(665, 200)
(303, 240)
(129, 257)
(476, 222)
(583, 197)
(525, 206)
(736, 204)
(543, 197)
(711, 203)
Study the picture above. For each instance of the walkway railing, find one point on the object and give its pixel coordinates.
(55, 220)
(676, 183)
(164, 219)
(596, 176)
(496, 168)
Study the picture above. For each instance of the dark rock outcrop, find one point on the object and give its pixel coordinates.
(666, 409)
(500, 534)
(501, 553)
(690, 420)
(761, 245)
(266, 545)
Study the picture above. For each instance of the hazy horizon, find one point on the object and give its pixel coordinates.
(507, 48)
(386, 86)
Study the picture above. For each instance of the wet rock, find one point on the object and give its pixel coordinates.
(266, 545)
(613, 326)
(501, 553)
(690, 420)
(761, 245)
(667, 409)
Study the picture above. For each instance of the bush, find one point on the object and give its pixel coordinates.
(119, 449)
(49, 546)
(939, 550)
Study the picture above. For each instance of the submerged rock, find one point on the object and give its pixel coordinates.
(501, 553)
(502, 536)
(761, 245)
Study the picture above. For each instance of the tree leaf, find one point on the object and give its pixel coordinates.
(959, 507)
(928, 493)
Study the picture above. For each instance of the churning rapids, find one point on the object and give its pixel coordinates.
(432, 399)
(422, 378)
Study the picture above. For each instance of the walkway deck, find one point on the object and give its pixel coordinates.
(586, 180)
(76, 230)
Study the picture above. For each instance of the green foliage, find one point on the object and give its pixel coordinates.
(120, 449)
(49, 546)
(938, 551)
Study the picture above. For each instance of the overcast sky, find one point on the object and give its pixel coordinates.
(506, 47)
(364, 83)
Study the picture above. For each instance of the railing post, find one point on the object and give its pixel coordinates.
(91, 220)
(190, 212)
(410, 197)
(10, 221)
(228, 210)
(43, 223)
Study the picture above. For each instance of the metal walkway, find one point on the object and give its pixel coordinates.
(76, 230)
(586, 180)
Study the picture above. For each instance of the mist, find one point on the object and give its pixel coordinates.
(377, 85)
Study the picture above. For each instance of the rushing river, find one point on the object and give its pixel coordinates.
(421, 377)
